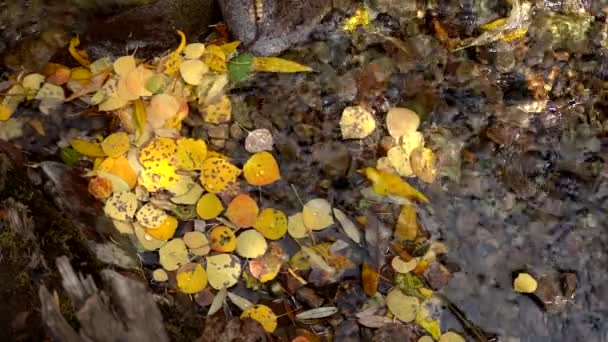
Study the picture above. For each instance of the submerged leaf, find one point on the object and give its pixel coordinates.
(263, 315)
(385, 183)
(357, 123)
(405, 308)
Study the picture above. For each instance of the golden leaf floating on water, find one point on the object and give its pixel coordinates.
(357, 123)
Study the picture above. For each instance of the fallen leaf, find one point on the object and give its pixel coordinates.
(240, 67)
(389, 184)
(165, 230)
(275, 64)
(374, 321)
(124, 227)
(271, 223)
(192, 71)
(357, 123)
(423, 318)
(218, 112)
(160, 275)
(242, 211)
(402, 266)
(405, 308)
(150, 216)
(124, 65)
(251, 244)
(80, 56)
(348, 226)
(215, 58)
(217, 174)
(218, 302)
(296, 227)
(263, 315)
(370, 279)
(261, 169)
(173, 255)
(146, 240)
(451, 336)
(100, 65)
(407, 224)
(121, 206)
(259, 140)
(400, 121)
(209, 207)
(162, 107)
(197, 243)
(194, 51)
(423, 162)
(115, 144)
(101, 187)
(317, 214)
(524, 283)
(240, 302)
(222, 239)
(191, 154)
(223, 270)
(174, 60)
(190, 197)
(317, 313)
(191, 278)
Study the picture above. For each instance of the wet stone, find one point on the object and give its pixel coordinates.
(348, 331)
(437, 276)
(556, 290)
(394, 332)
(218, 131)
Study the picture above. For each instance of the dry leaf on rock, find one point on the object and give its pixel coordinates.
(259, 140)
(402, 306)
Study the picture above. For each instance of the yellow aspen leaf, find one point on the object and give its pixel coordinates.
(158, 150)
(217, 174)
(215, 58)
(121, 206)
(261, 169)
(194, 50)
(317, 214)
(135, 82)
(174, 60)
(162, 107)
(32, 83)
(209, 206)
(404, 307)
(79, 55)
(124, 65)
(223, 270)
(112, 103)
(360, 18)
(451, 336)
(191, 154)
(115, 144)
(242, 211)
(423, 162)
(275, 64)
(145, 240)
(407, 224)
(190, 197)
(515, 34)
(197, 243)
(160, 275)
(263, 315)
(494, 24)
(191, 278)
(229, 48)
(87, 148)
(402, 266)
(173, 255)
(424, 319)
(218, 112)
(193, 70)
(100, 187)
(120, 167)
(124, 227)
(81, 74)
(384, 183)
(149, 216)
(271, 223)
(524, 283)
(400, 121)
(36, 124)
(251, 244)
(370, 279)
(296, 227)
(175, 122)
(399, 160)
(140, 116)
(357, 123)
(222, 239)
(161, 175)
(166, 230)
(5, 112)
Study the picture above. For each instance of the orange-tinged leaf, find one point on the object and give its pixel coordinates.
(162, 107)
(242, 211)
(115, 144)
(61, 76)
(263, 315)
(385, 183)
(407, 225)
(166, 230)
(120, 167)
(217, 174)
(261, 169)
(222, 239)
(275, 64)
(191, 154)
(100, 187)
(370, 279)
(271, 223)
(87, 148)
(209, 207)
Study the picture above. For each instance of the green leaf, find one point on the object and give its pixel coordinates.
(69, 156)
(409, 284)
(239, 68)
